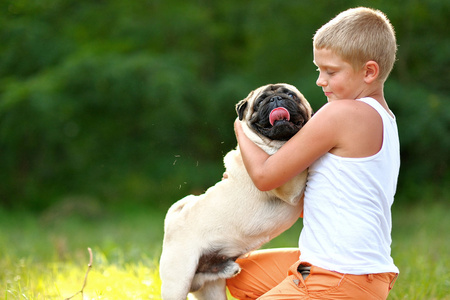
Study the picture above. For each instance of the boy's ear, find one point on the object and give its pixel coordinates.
(372, 70)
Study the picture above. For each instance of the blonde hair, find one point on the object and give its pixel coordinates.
(359, 35)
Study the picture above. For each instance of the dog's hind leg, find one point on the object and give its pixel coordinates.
(177, 269)
(212, 290)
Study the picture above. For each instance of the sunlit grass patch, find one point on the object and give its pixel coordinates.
(48, 260)
(61, 280)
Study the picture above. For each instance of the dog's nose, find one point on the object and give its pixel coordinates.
(275, 98)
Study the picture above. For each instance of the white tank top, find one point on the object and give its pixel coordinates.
(347, 214)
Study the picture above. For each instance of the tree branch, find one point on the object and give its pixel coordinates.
(85, 276)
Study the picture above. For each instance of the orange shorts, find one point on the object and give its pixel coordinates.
(272, 274)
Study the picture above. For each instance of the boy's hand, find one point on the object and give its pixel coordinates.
(237, 127)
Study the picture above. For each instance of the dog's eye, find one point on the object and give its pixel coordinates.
(258, 102)
(292, 95)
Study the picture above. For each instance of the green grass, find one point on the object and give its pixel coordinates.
(44, 257)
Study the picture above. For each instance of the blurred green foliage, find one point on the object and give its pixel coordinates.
(133, 101)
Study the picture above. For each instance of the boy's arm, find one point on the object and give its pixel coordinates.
(317, 137)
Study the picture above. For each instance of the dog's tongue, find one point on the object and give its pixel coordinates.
(279, 113)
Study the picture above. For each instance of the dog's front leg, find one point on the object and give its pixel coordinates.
(292, 191)
(212, 290)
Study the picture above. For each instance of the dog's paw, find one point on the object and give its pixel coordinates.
(231, 269)
(228, 269)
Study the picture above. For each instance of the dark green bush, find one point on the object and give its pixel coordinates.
(134, 101)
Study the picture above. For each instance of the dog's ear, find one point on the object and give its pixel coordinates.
(240, 108)
(242, 105)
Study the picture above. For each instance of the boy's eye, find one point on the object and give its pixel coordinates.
(328, 72)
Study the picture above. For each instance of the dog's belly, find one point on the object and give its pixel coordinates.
(213, 262)
(244, 223)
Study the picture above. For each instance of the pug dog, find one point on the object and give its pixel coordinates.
(205, 234)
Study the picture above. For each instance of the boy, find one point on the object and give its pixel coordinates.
(351, 147)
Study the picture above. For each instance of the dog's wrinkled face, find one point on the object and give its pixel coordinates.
(276, 111)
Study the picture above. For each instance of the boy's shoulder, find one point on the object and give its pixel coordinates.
(356, 128)
(346, 107)
(347, 114)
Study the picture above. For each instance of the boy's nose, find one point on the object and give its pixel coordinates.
(320, 81)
